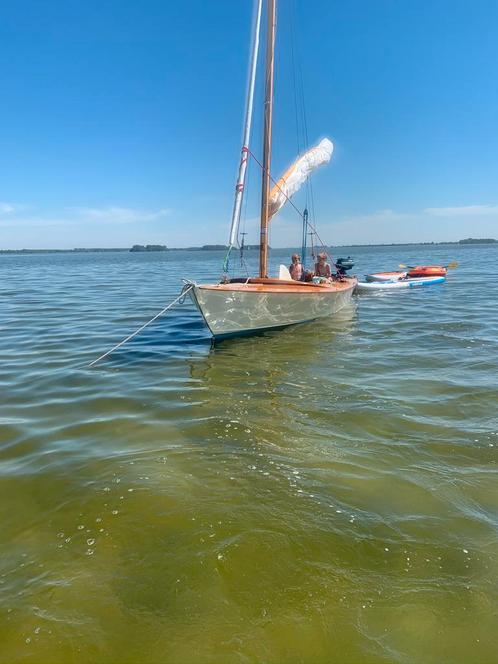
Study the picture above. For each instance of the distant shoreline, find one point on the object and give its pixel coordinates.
(468, 241)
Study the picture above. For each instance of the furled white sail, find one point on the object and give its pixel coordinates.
(241, 178)
(295, 176)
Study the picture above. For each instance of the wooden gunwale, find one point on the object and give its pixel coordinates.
(260, 285)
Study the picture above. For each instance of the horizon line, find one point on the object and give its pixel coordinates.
(465, 241)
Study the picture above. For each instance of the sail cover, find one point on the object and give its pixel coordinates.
(296, 175)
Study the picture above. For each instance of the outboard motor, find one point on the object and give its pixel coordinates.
(343, 265)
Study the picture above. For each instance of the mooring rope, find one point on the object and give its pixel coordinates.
(182, 295)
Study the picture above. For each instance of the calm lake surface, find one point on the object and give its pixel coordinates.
(323, 494)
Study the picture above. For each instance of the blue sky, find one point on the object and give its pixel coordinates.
(120, 122)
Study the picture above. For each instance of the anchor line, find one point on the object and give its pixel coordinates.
(180, 299)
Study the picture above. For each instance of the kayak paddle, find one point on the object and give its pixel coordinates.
(450, 266)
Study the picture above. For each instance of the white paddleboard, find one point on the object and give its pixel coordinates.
(369, 287)
(385, 276)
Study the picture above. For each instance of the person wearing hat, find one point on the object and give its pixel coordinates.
(322, 268)
(296, 268)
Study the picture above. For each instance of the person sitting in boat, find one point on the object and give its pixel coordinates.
(296, 268)
(322, 268)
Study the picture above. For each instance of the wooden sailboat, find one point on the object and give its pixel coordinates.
(242, 306)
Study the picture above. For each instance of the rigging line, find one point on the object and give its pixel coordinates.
(246, 198)
(184, 292)
(300, 82)
(315, 232)
(309, 182)
(276, 184)
(226, 260)
(312, 199)
(243, 263)
(304, 119)
(313, 228)
(293, 68)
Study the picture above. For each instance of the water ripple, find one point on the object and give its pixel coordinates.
(325, 493)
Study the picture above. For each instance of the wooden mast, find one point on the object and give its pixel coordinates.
(268, 116)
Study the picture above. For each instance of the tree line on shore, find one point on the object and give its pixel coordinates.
(223, 247)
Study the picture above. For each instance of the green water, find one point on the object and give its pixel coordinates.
(322, 494)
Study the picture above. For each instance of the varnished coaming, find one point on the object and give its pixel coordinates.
(267, 285)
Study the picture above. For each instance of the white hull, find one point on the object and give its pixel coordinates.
(385, 276)
(364, 287)
(243, 310)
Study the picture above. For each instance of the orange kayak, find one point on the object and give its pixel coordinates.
(417, 272)
(427, 271)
